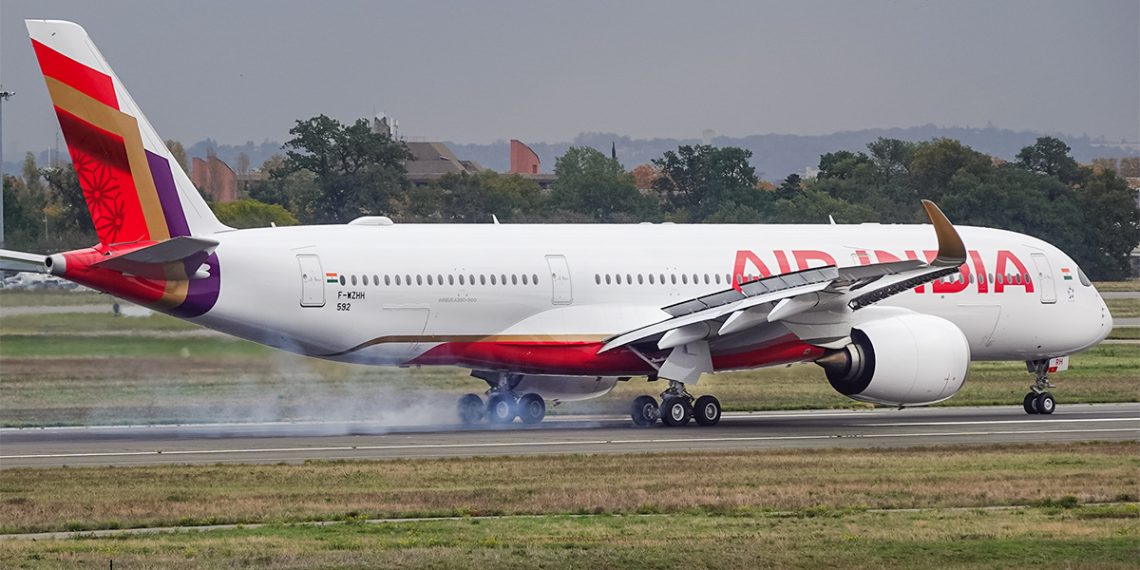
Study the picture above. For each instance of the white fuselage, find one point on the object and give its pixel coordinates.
(463, 285)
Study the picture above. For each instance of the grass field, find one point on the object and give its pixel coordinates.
(709, 482)
(1118, 286)
(1083, 537)
(1123, 308)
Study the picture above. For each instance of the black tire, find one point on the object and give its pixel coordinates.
(470, 409)
(531, 408)
(644, 411)
(707, 411)
(501, 409)
(675, 412)
(1045, 403)
(1030, 403)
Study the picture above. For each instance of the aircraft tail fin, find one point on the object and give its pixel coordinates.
(134, 188)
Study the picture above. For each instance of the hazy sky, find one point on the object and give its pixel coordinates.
(474, 72)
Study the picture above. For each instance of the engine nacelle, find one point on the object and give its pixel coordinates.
(566, 388)
(909, 360)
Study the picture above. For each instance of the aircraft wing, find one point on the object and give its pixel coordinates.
(781, 297)
(165, 260)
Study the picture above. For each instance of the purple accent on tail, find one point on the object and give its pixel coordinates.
(168, 195)
(203, 293)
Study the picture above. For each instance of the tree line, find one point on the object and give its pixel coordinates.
(332, 172)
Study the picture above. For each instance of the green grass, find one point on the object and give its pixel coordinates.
(1118, 286)
(71, 323)
(1038, 538)
(57, 499)
(17, 298)
(1125, 333)
(1123, 308)
(63, 346)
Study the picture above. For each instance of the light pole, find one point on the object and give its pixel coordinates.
(4, 95)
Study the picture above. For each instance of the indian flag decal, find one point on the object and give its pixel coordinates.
(1065, 272)
(331, 277)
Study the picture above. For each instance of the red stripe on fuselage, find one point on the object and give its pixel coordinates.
(90, 82)
(81, 269)
(583, 358)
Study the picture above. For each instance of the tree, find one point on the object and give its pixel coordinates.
(891, 157)
(1113, 225)
(252, 214)
(20, 224)
(179, 154)
(841, 164)
(1050, 156)
(697, 181)
(643, 177)
(73, 213)
(243, 163)
(292, 191)
(597, 186)
(790, 187)
(937, 162)
(358, 172)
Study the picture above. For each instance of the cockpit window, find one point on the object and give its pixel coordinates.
(1084, 278)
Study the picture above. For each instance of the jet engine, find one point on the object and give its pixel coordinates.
(566, 388)
(908, 359)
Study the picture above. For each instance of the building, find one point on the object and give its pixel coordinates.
(215, 179)
(431, 160)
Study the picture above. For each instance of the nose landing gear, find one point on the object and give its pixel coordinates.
(1038, 400)
(677, 407)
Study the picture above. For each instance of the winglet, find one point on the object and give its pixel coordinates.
(951, 250)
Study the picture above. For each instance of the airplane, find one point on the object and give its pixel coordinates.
(894, 314)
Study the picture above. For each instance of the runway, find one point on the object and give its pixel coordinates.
(297, 442)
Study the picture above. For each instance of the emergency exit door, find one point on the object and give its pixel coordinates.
(1045, 279)
(312, 281)
(562, 292)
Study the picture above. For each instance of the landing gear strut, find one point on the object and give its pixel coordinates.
(503, 403)
(1038, 401)
(677, 407)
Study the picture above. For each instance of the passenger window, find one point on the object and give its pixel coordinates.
(640, 279)
(429, 280)
(514, 279)
(419, 279)
(628, 279)
(482, 279)
(706, 278)
(397, 280)
(662, 278)
(597, 279)
(503, 278)
(408, 280)
(717, 278)
(492, 279)
(534, 278)
(673, 278)
(451, 280)
(651, 279)
(684, 279)
(364, 279)
(342, 283)
(617, 278)
(461, 280)
(375, 279)
(387, 280)
(607, 279)
(471, 279)
(524, 278)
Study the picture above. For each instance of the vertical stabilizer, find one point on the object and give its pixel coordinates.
(134, 188)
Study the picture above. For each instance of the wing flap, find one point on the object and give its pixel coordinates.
(22, 262)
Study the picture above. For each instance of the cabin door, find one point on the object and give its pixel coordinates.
(312, 281)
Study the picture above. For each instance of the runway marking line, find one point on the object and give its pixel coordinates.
(549, 443)
(976, 422)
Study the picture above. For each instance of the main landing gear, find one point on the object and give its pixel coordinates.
(503, 404)
(677, 407)
(1038, 401)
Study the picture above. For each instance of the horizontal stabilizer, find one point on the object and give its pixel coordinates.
(23, 262)
(176, 258)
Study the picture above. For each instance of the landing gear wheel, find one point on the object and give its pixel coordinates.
(707, 411)
(644, 411)
(1045, 403)
(675, 412)
(501, 409)
(1030, 403)
(531, 408)
(470, 409)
